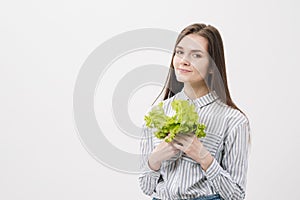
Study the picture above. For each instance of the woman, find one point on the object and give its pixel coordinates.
(213, 167)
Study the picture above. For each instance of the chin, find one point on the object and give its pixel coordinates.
(182, 80)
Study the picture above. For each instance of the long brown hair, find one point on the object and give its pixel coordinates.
(217, 80)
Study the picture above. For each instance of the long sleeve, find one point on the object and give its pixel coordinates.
(229, 178)
(148, 178)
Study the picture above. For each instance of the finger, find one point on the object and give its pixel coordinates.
(184, 143)
(172, 144)
(191, 134)
(182, 148)
(181, 136)
(177, 142)
(177, 146)
(185, 136)
(185, 140)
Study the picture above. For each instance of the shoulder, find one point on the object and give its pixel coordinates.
(233, 117)
(237, 124)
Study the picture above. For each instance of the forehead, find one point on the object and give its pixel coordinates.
(194, 42)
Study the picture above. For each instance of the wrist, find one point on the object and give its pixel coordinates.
(154, 164)
(206, 161)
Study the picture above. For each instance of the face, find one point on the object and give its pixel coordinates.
(191, 59)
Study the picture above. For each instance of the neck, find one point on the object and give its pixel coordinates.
(195, 91)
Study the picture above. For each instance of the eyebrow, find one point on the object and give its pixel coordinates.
(194, 50)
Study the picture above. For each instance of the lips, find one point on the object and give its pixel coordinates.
(183, 70)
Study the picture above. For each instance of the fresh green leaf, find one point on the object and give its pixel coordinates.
(184, 121)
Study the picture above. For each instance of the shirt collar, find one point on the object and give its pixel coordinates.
(201, 101)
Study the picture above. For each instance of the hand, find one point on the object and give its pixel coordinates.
(191, 145)
(163, 151)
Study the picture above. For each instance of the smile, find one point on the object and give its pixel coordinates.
(183, 70)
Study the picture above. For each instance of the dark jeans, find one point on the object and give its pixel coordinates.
(210, 197)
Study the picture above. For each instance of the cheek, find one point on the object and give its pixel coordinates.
(202, 67)
(176, 61)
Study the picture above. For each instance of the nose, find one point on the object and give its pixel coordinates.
(184, 61)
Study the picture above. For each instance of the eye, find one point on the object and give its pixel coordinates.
(197, 56)
(179, 52)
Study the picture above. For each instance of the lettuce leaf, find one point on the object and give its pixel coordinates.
(185, 120)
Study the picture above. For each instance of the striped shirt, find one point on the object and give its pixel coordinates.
(227, 139)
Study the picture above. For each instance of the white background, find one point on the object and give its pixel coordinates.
(44, 43)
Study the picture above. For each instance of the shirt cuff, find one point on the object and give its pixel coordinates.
(213, 170)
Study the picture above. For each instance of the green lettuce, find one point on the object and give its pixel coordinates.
(184, 121)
